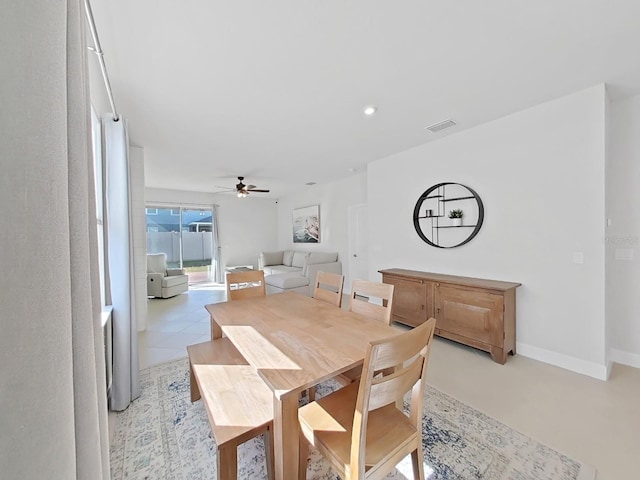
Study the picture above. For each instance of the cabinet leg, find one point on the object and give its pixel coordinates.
(498, 355)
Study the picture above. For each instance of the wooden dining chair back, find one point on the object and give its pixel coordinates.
(245, 285)
(363, 291)
(328, 288)
(359, 428)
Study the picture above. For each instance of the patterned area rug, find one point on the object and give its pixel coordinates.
(163, 436)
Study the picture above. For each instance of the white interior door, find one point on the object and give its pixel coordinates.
(358, 245)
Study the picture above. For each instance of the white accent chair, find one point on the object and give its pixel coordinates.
(164, 282)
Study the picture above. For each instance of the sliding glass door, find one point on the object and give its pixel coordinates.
(184, 234)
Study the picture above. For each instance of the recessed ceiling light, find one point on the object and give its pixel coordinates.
(370, 110)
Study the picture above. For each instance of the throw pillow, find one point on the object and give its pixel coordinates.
(287, 258)
(156, 263)
(271, 258)
(298, 259)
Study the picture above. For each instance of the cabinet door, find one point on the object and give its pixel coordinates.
(410, 304)
(470, 313)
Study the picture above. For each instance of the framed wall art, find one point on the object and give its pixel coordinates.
(306, 224)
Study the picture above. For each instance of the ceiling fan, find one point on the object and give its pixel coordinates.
(243, 190)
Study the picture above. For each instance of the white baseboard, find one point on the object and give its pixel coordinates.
(584, 367)
(625, 358)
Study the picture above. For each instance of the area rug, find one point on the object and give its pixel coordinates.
(163, 436)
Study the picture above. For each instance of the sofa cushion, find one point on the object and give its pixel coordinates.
(156, 262)
(317, 258)
(320, 257)
(271, 258)
(275, 269)
(175, 280)
(298, 259)
(287, 258)
(287, 280)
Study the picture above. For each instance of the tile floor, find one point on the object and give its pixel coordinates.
(590, 420)
(173, 323)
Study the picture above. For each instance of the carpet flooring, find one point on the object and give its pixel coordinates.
(163, 436)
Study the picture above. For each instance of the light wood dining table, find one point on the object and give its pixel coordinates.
(294, 342)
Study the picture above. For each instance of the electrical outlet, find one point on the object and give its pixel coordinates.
(624, 254)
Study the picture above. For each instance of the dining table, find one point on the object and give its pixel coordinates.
(294, 342)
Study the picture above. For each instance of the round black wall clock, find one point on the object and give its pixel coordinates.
(448, 215)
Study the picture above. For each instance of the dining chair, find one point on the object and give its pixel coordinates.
(328, 288)
(363, 291)
(359, 429)
(245, 285)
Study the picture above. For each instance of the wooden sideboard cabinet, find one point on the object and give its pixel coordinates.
(477, 312)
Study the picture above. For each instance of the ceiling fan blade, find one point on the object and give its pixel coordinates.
(250, 187)
(256, 190)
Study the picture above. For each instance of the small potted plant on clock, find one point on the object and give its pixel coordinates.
(456, 217)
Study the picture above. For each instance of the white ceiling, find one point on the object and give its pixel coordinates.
(274, 90)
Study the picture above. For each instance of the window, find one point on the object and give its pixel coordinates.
(98, 175)
(96, 141)
(184, 234)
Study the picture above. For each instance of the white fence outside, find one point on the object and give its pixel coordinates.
(197, 246)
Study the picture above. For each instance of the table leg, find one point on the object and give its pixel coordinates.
(285, 436)
(227, 462)
(193, 385)
(216, 331)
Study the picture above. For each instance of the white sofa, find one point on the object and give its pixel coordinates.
(164, 282)
(290, 270)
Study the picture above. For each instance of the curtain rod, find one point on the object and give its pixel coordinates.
(97, 49)
(152, 204)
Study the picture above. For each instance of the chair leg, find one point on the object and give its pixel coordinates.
(227, 462)
(268, 450)
(303, 459)
(416, 460)
(312, 394)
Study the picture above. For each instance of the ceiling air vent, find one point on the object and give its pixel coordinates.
(436, 127)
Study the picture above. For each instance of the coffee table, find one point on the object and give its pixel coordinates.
(239, 268)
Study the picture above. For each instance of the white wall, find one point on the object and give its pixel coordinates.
(247, 225)
(623, 237)
(334, 200)
(540, 174)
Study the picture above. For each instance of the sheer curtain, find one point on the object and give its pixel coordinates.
(53, 413)
(217, 248)
(121, 293)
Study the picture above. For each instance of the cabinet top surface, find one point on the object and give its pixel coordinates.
(453, 279)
